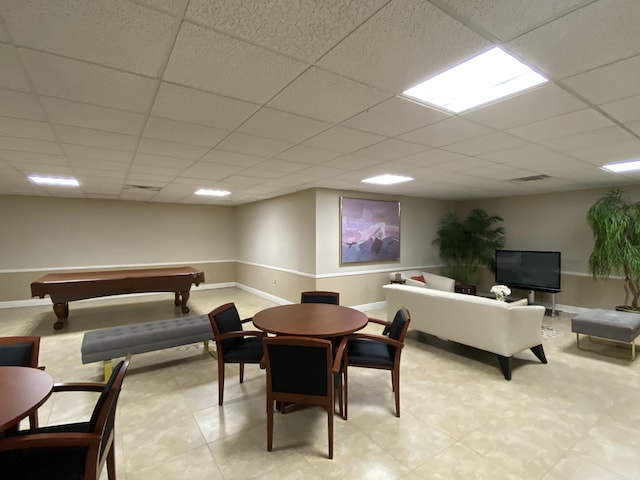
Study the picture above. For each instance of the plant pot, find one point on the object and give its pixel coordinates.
(466, 289)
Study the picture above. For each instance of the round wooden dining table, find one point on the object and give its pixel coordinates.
(23, 389)
(310, 319)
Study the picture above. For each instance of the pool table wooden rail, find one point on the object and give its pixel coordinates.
(63, 288)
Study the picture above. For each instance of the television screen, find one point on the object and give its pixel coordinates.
(528, 270)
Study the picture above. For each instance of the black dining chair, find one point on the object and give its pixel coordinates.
(332, 298)
(74, 451)
(381, 351)
(233, 344)
(22, 351)
(303, 370)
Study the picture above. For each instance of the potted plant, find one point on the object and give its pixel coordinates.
(615, 222)
(468, 244)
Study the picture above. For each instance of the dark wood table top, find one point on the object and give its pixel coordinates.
(69, 277)
(310, 319)
(23, 389)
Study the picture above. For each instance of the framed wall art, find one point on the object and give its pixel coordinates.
(369, 231)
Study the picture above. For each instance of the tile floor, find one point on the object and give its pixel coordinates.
(577, 417)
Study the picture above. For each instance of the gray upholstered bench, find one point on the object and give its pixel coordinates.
(621, 327)
(113, 342)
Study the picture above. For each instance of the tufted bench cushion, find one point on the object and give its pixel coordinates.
(113, 342)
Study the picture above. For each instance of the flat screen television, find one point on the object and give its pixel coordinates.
(528, 270)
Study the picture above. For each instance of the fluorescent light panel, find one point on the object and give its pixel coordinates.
(62, 182)
(623, 166)
(213, 193)
(492, 75)
(387, 179)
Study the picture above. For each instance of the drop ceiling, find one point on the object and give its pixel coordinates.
(151, 100)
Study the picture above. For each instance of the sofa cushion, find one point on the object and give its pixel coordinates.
(438, 282)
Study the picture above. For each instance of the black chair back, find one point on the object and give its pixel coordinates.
(332, 298)
(225, 319)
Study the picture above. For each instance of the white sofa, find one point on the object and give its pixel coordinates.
(432, 280)
(498, 327)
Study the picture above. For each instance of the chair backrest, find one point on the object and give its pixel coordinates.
(104, 413)
(298, 368)
(19, 351)
(225, 319)
(398, 328)
(332, 298)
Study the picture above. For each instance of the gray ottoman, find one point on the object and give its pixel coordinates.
(621, 327)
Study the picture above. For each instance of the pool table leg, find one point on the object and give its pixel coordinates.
(181, 301)
(61, 310)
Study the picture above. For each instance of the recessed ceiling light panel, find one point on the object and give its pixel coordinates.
(492, 75)
(61, 182)
(623, 166)
(387, 179)
(213, 193)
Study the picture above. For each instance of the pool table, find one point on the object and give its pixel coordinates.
(66, 287)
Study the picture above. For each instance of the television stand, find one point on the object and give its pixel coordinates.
(550, 312)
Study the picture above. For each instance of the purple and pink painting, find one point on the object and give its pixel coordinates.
(370, 231)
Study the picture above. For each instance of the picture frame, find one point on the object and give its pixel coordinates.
(369, 231)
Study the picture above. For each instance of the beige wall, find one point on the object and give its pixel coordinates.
(41, 235)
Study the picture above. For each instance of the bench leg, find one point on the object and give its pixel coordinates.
(608, 341)
(211, 352)
(108, 368)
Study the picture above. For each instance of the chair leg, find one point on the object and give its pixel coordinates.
(269, 424)
(220, 380)
(505, 366)
(346, 392)
(111, 462)
(538, 351)
(241, 372)
(33, 420)
(330, 430)
(395, 379)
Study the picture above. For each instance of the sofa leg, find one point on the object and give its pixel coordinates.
(505, 366)
(538, 351)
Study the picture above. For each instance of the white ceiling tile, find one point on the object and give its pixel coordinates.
(448, 131)
(507, 20)
(218, 63)
(240, 181)
(12, 75)
(352, 162)
(326, 96)
(160, 161)
(487, 143)
(95, 138)
(300, 29)
(20, 105)
(319, 171)
(562, 126)
(171, 149)
(626, 110)
(343, 140)
(116, 33)
(81, 151)
(282, 126)
(15, 127)
(29, 145)
(232, 158)
(304, 154)
(608, 83)
(241, 143)
(74, 80)
(614, 152)
(602, 136)
(210, 171)
(430, 157)
(406, 42)
(593, 36)
(390, 150)
(90, 116)
(96, 167)
(28, 157)
(193, 106)
(170, 6)
(280, 166)
(538, 104)
(498, 172)
(174, 131)
(634, 127)
(528, 156)
(394, 117)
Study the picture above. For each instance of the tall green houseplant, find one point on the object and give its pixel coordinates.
(468, 244)
(615, 222)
